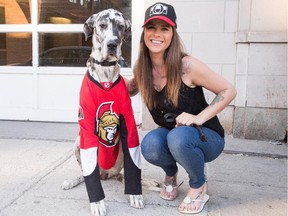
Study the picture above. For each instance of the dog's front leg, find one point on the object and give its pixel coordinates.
(71, 183)
(136, 201)
(98, 208)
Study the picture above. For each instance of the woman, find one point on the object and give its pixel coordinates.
(171, 83)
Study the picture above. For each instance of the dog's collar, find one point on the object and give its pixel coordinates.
(105, 63)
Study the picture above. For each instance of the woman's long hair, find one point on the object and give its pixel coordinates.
(143, 71)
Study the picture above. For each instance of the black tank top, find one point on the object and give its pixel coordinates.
(191, 100)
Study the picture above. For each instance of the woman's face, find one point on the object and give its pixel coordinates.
(157, 36)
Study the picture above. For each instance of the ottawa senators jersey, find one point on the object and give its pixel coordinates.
(105, 117)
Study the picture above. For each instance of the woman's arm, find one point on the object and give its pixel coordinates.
(131, 86)
(197, 73)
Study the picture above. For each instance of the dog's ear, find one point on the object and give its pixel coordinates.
(88, 26)
(88, 31)
(127, 33)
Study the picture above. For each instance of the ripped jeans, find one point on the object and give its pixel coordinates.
(165, 148)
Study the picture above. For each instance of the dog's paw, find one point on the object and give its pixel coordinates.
(98, 208)
(136, 201)
(68, 184)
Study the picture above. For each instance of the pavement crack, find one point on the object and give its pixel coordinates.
(255, 154)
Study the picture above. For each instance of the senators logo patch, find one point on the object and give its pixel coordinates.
(107, 125)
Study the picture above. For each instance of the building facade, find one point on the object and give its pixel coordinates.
(43, 51)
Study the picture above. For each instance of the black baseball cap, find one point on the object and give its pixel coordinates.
(161, 11)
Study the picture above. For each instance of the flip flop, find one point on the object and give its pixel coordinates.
(169, 189)
(188, 200)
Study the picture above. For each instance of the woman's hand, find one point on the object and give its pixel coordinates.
(131, 86)
(188, 119)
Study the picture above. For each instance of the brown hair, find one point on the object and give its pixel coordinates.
(143, 71)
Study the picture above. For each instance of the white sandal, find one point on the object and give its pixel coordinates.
(188, 200)
(170, 187)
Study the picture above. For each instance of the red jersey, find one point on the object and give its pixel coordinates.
(106, 117)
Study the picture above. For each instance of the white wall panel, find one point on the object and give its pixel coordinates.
(200, 16)
(267, 91)
(58, 91)
(231, 20)
(268, 59)
(269, 15)
(16, 90)
(215, 47)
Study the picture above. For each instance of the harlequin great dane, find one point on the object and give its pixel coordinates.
(108, 138)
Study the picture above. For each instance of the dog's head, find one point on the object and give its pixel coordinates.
(108, 28)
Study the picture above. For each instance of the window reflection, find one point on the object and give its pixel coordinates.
(70, 50)
(15, 11)
(63, 50)
(69, 56)
(77, 11)
(15, 48)
(55, 49)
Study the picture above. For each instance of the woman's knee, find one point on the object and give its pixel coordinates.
(149, 144)
(153, 145)
(180, 137)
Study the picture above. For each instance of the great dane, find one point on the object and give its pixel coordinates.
(108, 138)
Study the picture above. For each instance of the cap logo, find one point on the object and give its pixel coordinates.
(158, 9)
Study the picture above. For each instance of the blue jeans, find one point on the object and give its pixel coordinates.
(165, 148)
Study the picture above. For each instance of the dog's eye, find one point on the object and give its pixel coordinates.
(121, 27)
(103, 26)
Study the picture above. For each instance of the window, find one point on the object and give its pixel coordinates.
(15, 11)
(77, 11)
(56, 46)
(10, 43)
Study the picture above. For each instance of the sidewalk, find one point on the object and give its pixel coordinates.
(249, 178)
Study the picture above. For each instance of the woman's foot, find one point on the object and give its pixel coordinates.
(170, 188)
(195, 200)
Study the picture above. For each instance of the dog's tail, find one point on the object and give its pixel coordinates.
(151, 185)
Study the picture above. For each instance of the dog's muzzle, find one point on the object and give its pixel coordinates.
(112, 46)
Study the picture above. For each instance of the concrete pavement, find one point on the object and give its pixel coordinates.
(249, 178)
